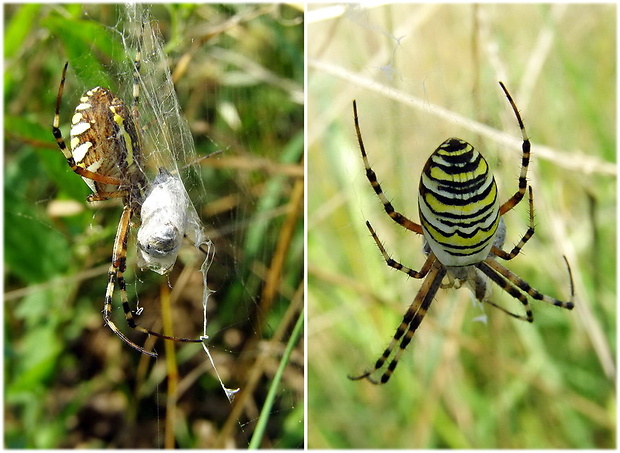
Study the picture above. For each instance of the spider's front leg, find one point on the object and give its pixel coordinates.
(372, 177)
(525, 160)
(410, 323)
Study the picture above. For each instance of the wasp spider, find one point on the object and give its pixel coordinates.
(106, 153)
(463, 229)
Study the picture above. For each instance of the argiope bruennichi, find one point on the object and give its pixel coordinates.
(106, 153)
(463, 229)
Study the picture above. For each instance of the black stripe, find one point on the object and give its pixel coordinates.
(459, 233)
(461, 187)
(447, 200)
(468, 250)
(459, 222)
(461, 163)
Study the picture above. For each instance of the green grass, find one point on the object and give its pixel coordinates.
(462, 383)
(69, 381)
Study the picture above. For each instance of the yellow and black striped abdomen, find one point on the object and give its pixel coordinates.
(459, 209)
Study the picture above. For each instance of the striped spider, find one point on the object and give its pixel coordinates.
(463, 229)
(106, 153)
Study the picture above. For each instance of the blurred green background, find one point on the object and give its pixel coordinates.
(421, 74)
(69, 381)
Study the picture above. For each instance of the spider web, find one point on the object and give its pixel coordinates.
(168, 143)
(167, 139)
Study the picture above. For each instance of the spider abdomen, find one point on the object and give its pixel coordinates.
(104, 139)
(459, 209)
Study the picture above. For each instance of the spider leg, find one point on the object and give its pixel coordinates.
(518, 282)
(525, 161)
(411, 321)
(516, 286)
(372, 177)
(118, 267)
(507, 287)
(129, 317)
(526, 237)
(395, 264)
(102, 196)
